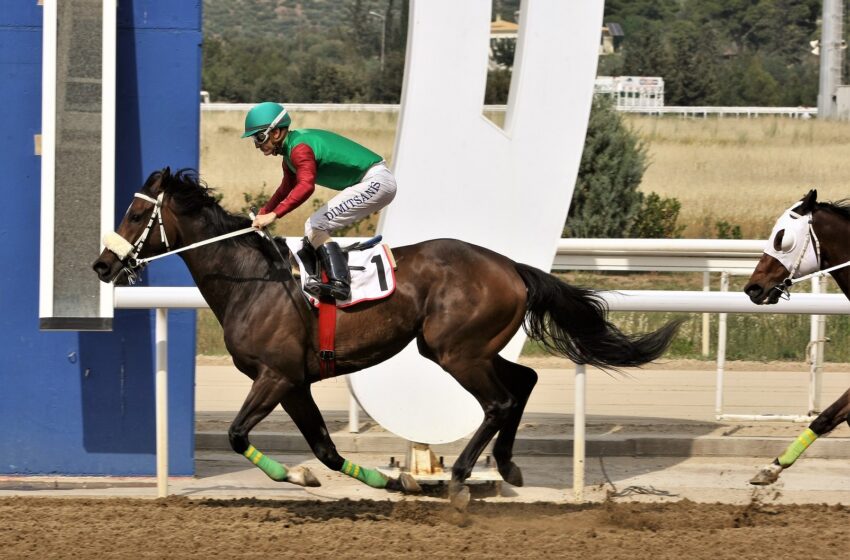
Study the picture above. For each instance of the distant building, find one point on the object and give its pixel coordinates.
(502, 30)
(612, 36)
(632, 91)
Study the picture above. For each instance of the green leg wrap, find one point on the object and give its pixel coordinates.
(275, 470)
(797, 447)
(373, 478)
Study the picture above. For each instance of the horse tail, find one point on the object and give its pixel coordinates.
(572, 322)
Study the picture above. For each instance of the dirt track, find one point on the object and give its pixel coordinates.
(250, 528)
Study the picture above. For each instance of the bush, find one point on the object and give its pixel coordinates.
(606, 201)
(657, 218)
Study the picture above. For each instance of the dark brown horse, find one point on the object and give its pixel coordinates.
(461, 303)
(808, 237)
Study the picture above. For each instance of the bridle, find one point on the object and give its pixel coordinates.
(128, 252)
(810, 238)
(156, 215)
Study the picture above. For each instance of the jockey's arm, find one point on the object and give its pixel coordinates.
(297, 187)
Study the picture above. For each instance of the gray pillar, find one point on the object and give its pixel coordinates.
(831, 53)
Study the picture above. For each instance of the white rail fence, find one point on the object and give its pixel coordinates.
(692, 112)
(588, 254)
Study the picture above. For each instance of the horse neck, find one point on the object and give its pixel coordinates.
(222, 270)
(832, 231)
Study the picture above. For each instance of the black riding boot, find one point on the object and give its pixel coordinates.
(335, 266)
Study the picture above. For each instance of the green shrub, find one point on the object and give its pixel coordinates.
(657, 218)
(606, 201)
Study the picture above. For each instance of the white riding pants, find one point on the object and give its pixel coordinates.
(376, 190)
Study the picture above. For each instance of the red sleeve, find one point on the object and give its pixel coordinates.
(295, 188)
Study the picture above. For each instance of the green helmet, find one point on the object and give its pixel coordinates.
(264, 114)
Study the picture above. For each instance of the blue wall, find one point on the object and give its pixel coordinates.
(83, 403)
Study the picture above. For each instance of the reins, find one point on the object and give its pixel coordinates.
(133, 263)
(142, 262)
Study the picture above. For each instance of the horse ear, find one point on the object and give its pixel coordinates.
(166, 171)
(808, 202)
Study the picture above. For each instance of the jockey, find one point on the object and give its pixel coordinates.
(310, 157)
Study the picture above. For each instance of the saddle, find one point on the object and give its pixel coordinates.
(308, 258)
(371, 264)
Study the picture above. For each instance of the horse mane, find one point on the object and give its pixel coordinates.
(840, 207)
(193, 197)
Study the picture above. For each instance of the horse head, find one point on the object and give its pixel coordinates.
(792, 251)
(146, 230)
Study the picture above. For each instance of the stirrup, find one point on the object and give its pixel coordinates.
(316, 288)
(339, 290)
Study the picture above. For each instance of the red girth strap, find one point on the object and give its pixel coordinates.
(327, 333)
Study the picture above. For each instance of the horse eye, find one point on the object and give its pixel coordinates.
(135, 218)
(783, 242)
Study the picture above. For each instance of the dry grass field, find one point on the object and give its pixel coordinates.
(743, 171)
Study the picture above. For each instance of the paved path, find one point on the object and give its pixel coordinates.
(651, 429)
(647, 393)
(700, 479)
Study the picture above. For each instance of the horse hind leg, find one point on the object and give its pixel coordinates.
(520, 381)
(480, 379)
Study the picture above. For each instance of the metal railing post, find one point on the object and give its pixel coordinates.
(817, 339)
(721, 348)
(706, 317)
(161, 402)
(579, 432)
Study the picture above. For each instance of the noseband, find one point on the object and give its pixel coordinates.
(128, 252)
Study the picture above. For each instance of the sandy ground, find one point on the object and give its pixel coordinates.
(804, 516)
(254, 528)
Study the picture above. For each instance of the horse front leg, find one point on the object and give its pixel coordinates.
(299, 404)
(828, 420)
(266, 392)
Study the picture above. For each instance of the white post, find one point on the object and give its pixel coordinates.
(162, 402)
(721, 348)
(816, 349)
(578, 432)
(353, 414)
(706, 317)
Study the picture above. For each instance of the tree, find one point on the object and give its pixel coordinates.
(694, 58)
(644, 53)
(606, 200)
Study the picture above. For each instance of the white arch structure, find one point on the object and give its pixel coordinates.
(461, 176)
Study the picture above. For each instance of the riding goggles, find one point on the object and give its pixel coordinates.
(262, 136)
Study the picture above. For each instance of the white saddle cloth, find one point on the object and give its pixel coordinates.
(372, 274)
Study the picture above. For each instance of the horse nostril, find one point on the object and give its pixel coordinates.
(101, 268)
(754, 291)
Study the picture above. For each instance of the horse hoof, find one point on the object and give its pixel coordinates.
(511, 474)
(459, 495)
(302, 476)
(409, 484)
(767, 475)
